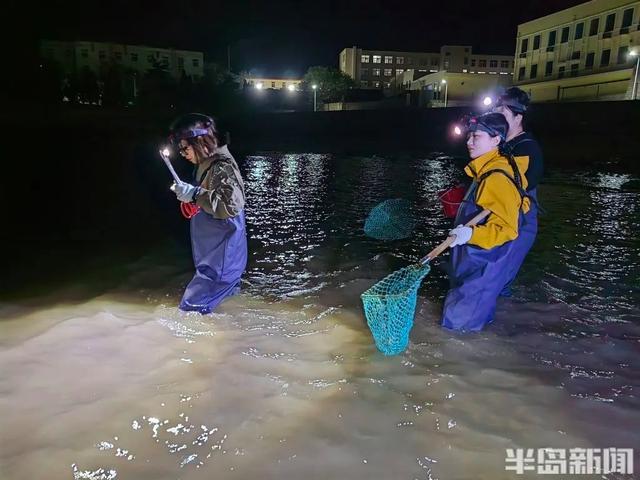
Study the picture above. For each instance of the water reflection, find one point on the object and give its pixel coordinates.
(277, 387)
(306, 214)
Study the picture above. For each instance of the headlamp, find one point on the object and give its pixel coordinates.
(472, 123)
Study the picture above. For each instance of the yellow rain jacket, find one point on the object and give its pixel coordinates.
(498, 194)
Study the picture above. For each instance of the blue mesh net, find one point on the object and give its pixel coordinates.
(390, 305)
(390, 220)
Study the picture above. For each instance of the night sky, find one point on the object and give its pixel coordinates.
(286, 37)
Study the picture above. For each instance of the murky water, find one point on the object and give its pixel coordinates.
(284, 381)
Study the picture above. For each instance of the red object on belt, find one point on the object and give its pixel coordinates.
(189, 210)
(451, 200)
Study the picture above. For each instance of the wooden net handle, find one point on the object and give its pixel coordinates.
(444, 245)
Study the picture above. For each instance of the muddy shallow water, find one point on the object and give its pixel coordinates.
(284, 381)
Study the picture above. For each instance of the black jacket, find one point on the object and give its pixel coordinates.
(526, 145)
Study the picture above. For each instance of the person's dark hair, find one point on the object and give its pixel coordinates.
(496, 125)
(493, 123)
(199, 131)
(516, 100)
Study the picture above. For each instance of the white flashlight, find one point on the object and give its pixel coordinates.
(164, 153)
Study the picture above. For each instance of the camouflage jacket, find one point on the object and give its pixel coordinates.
(221, 187)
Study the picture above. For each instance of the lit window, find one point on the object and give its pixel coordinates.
(376, 72)
(377, 59)
(387, 72)
(387, 85)
(400, 60)
(388, 59)
(399, 71)
(364, 58)
(376, 84)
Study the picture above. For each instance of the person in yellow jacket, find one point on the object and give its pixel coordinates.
(482, 256)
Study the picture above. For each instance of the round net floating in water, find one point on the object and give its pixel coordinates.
(390, 220)
(390, 305)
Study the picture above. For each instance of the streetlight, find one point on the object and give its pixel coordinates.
(291, 88)
(259, 85)
(315, 91)
(487, 101)
(635, 53)
(446, 91)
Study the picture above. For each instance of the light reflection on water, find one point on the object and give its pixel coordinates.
(283, 381)
(307, 212)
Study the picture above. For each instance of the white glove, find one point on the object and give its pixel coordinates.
(184, 191)
(462, 233)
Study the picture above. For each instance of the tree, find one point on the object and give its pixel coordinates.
(50, 82)
(332, 83)
(158, 89)
(218, 91)
(113, 94)
(88, 89)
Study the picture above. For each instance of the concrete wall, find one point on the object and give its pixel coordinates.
(600, 86)
(572, 134)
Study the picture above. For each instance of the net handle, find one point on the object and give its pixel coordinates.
(444, 245)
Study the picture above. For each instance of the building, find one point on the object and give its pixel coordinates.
(453, 89)
(73, 57)
(581, 53)
(272, 83)
(378, 68)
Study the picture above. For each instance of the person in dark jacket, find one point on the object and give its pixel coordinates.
(514, 104)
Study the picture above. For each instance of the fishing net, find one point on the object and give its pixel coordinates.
(390, 220)
(390, 305)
